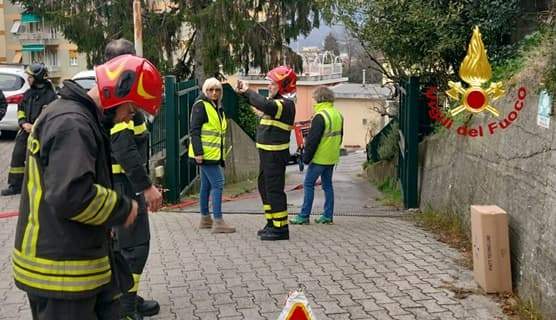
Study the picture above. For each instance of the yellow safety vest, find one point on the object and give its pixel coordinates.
(328, 151)
(213, 135)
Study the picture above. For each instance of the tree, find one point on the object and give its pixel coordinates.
(231, 33)
(357, 60)
(246, 34)
(425, 37)
(331, 44)
(91, 24)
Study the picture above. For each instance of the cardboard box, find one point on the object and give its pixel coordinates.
(491, 248)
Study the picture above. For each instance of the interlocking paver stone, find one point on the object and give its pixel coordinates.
(361, 267)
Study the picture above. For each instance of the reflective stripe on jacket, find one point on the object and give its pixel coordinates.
(273, 131)
(213, 135)
(129, 151)
(67, 203)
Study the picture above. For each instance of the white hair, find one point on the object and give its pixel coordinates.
(211, 83)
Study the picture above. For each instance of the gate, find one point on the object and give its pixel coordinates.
(409, 115)
(179, 171)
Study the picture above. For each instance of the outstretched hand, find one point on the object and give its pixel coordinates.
(242, 87)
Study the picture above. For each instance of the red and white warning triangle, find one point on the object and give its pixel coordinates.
(297, 308)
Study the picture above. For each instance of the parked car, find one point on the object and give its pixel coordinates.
(86, 79)
(13, 83)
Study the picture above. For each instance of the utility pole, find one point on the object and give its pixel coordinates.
(138, 28)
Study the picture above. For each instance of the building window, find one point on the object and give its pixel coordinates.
(15, 27)
(18, 57)
(51, 58)
(73, 57)
(263, 92)
(53, 33)
(37, 57)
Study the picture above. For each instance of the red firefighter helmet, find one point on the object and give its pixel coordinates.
(285, 78)
(129, 78)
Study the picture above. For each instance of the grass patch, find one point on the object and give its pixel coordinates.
(392, 194)
(450, 229)
(507, 68)
(519, 309)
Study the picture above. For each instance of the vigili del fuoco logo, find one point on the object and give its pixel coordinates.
(476, 96)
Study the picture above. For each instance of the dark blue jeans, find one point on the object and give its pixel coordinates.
(212, 183)
(313, 173)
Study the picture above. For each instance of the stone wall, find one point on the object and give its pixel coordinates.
(243, 160)
(515, 168)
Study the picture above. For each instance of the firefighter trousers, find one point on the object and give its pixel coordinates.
(103, 306)
(133, 242)
(17, 165)
(271, 182)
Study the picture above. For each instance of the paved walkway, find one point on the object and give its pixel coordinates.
(10, 203)
(362, 267)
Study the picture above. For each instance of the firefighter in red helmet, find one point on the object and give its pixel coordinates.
(273, 139)
(62, 257)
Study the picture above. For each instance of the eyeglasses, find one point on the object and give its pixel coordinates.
(214, 89)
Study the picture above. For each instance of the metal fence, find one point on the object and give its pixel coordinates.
(179, 171)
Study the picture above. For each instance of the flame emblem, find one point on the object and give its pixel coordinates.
(475, 70)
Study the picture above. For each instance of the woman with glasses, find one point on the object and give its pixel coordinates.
(207, 148)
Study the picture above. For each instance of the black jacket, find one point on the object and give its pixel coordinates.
(271, 135)
(34, 100)
(3, 105)
(198, 118)
(69, 200)
(313, 138)
(130, 151)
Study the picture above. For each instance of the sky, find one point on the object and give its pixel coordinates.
(317, 36)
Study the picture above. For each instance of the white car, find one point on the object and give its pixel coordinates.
(86, 79)
(13, 83)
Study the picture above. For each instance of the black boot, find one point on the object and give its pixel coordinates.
(129, 307)
(265, 228)
(147, 308)
(273, 234)
(11, 190)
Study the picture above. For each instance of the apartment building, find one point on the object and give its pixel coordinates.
(25, 38)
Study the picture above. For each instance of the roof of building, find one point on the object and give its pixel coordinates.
(349, 90)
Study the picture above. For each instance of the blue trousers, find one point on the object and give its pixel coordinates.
(212, 184)
(313, 173)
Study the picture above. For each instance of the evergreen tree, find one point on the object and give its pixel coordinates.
(331, 44)
(425, 37)
(232, 33)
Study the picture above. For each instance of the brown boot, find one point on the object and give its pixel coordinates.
(222, 227)
(206, 222)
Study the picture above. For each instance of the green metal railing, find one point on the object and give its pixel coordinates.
(158, 133)
(179, 171)
(374, 144)
(170, 133)
(409, 141)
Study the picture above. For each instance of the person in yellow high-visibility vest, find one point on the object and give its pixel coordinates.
(207, 148)
(322, 153)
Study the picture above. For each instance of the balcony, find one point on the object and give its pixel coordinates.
(53, 70)
(318, 67)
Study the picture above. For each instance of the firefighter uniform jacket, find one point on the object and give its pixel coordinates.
(34, 100)
(273, 131)
(129, 160)
(129, 151)
(67, 204)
